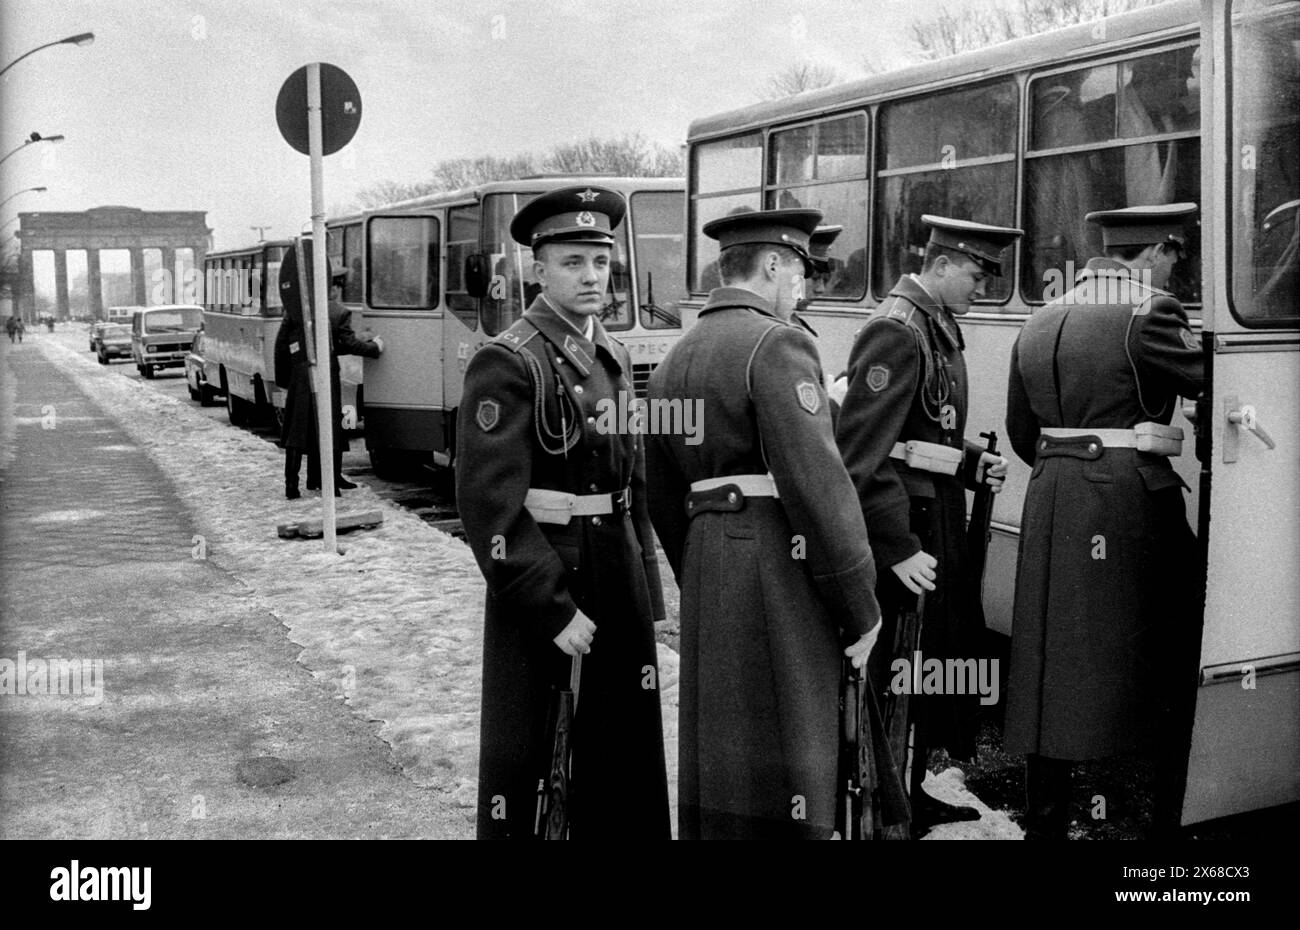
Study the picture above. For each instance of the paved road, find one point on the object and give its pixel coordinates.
(96, 565)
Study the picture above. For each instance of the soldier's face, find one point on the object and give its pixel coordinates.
(964, 282)
(575, 276)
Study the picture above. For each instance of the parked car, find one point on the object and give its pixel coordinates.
(161, 336)
(195, 376)
(119, 315)
(114, 342)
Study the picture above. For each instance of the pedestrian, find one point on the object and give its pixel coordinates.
(299, 432)
(554, 508)
(901, 429)
(11, 327)
(1105, 630)
(761, 527)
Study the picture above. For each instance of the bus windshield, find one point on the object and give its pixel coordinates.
(1265, 127)
(658, 218)
(179, 320)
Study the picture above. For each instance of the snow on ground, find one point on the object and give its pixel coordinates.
(395, 623)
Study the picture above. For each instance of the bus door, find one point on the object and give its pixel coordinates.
(402, 397)
(1245, 750)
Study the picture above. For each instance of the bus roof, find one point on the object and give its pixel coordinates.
(1133, 28)
(249, 249)
(526, 185)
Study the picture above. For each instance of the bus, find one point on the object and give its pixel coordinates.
(1183, 101)
(438, 276)
(241, 316)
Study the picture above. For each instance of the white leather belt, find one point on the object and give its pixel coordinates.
(1110, 438)
(560, 506)
(749, 485)
(928, 456)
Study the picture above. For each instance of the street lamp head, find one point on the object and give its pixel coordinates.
(38, 190)
(84, 38)
(37, 137)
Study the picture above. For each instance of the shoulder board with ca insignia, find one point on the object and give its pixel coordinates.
(895, 309)
(517, 336)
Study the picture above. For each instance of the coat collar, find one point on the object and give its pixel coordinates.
(580, 352)
(1101, 267)
(911, 290)
(724, 297)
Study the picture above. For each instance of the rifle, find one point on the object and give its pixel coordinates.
(856, 758)
(894, 712)
(551, 821)
(979, 532)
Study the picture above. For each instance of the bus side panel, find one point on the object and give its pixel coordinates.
(1245, 749)
(459, 344)
(245, 347)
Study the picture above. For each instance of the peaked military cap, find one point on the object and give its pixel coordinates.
(819, 246)
(1143, 225)
(789, 228)
(573, 214)
(979, 241)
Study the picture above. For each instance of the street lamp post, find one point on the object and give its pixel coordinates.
(31, 140)
(82, 38)
(39, 190)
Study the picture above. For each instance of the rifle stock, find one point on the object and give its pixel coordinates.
(979, 532)
(551, 821)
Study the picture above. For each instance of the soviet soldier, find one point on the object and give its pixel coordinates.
(901, 430)
(555, 512)
(1104, 634)
(759, 522)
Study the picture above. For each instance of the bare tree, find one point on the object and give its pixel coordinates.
(628, 156)
(799, 77)
(954, 32)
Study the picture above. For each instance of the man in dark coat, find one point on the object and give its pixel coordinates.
(554, 507)
(299, 432)
(759, 522)
(901, 429)
(1105, 631)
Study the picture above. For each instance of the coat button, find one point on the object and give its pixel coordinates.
(731, 497)
(1092, 447)
(577, 389)
(591, 487)
(591, 421)
(690, 505)
(558, 360)
(595, 521)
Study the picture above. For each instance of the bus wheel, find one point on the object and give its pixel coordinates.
(237, 408)
(207, 396)
(386, 463)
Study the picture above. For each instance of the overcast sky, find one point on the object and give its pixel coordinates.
(172, 107)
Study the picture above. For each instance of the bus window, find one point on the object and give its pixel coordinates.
(1118, 135)
(271, 281)
(352, 289)
(253, 296)
(462, 241)
(403, 262)
(1266, 176)
(803, 159)
(657, 218)
(950, 154)
(727, 176)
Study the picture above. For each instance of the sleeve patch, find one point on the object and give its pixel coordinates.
(488, 414)
(809, 397)
(878, 377)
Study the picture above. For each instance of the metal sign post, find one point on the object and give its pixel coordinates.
(331, 119)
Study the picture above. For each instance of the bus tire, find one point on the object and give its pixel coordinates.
(207, 396)
(237, 409)
(386, 463)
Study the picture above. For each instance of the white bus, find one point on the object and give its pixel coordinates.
(438, 276)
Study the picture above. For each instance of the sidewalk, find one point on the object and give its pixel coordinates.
(97, 565)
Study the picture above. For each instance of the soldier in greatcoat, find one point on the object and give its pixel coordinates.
(901, 429)
(299, 430)
(762, 529)
(554, 508)
(1105, 629)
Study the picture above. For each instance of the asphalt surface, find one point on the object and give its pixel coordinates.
(205, 725)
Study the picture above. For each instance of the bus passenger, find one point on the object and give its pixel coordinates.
(299, 432)
(760, 525)
(1105, 629)
(554, 508)
(907, 387)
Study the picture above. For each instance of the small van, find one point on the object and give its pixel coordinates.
(161, 336)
